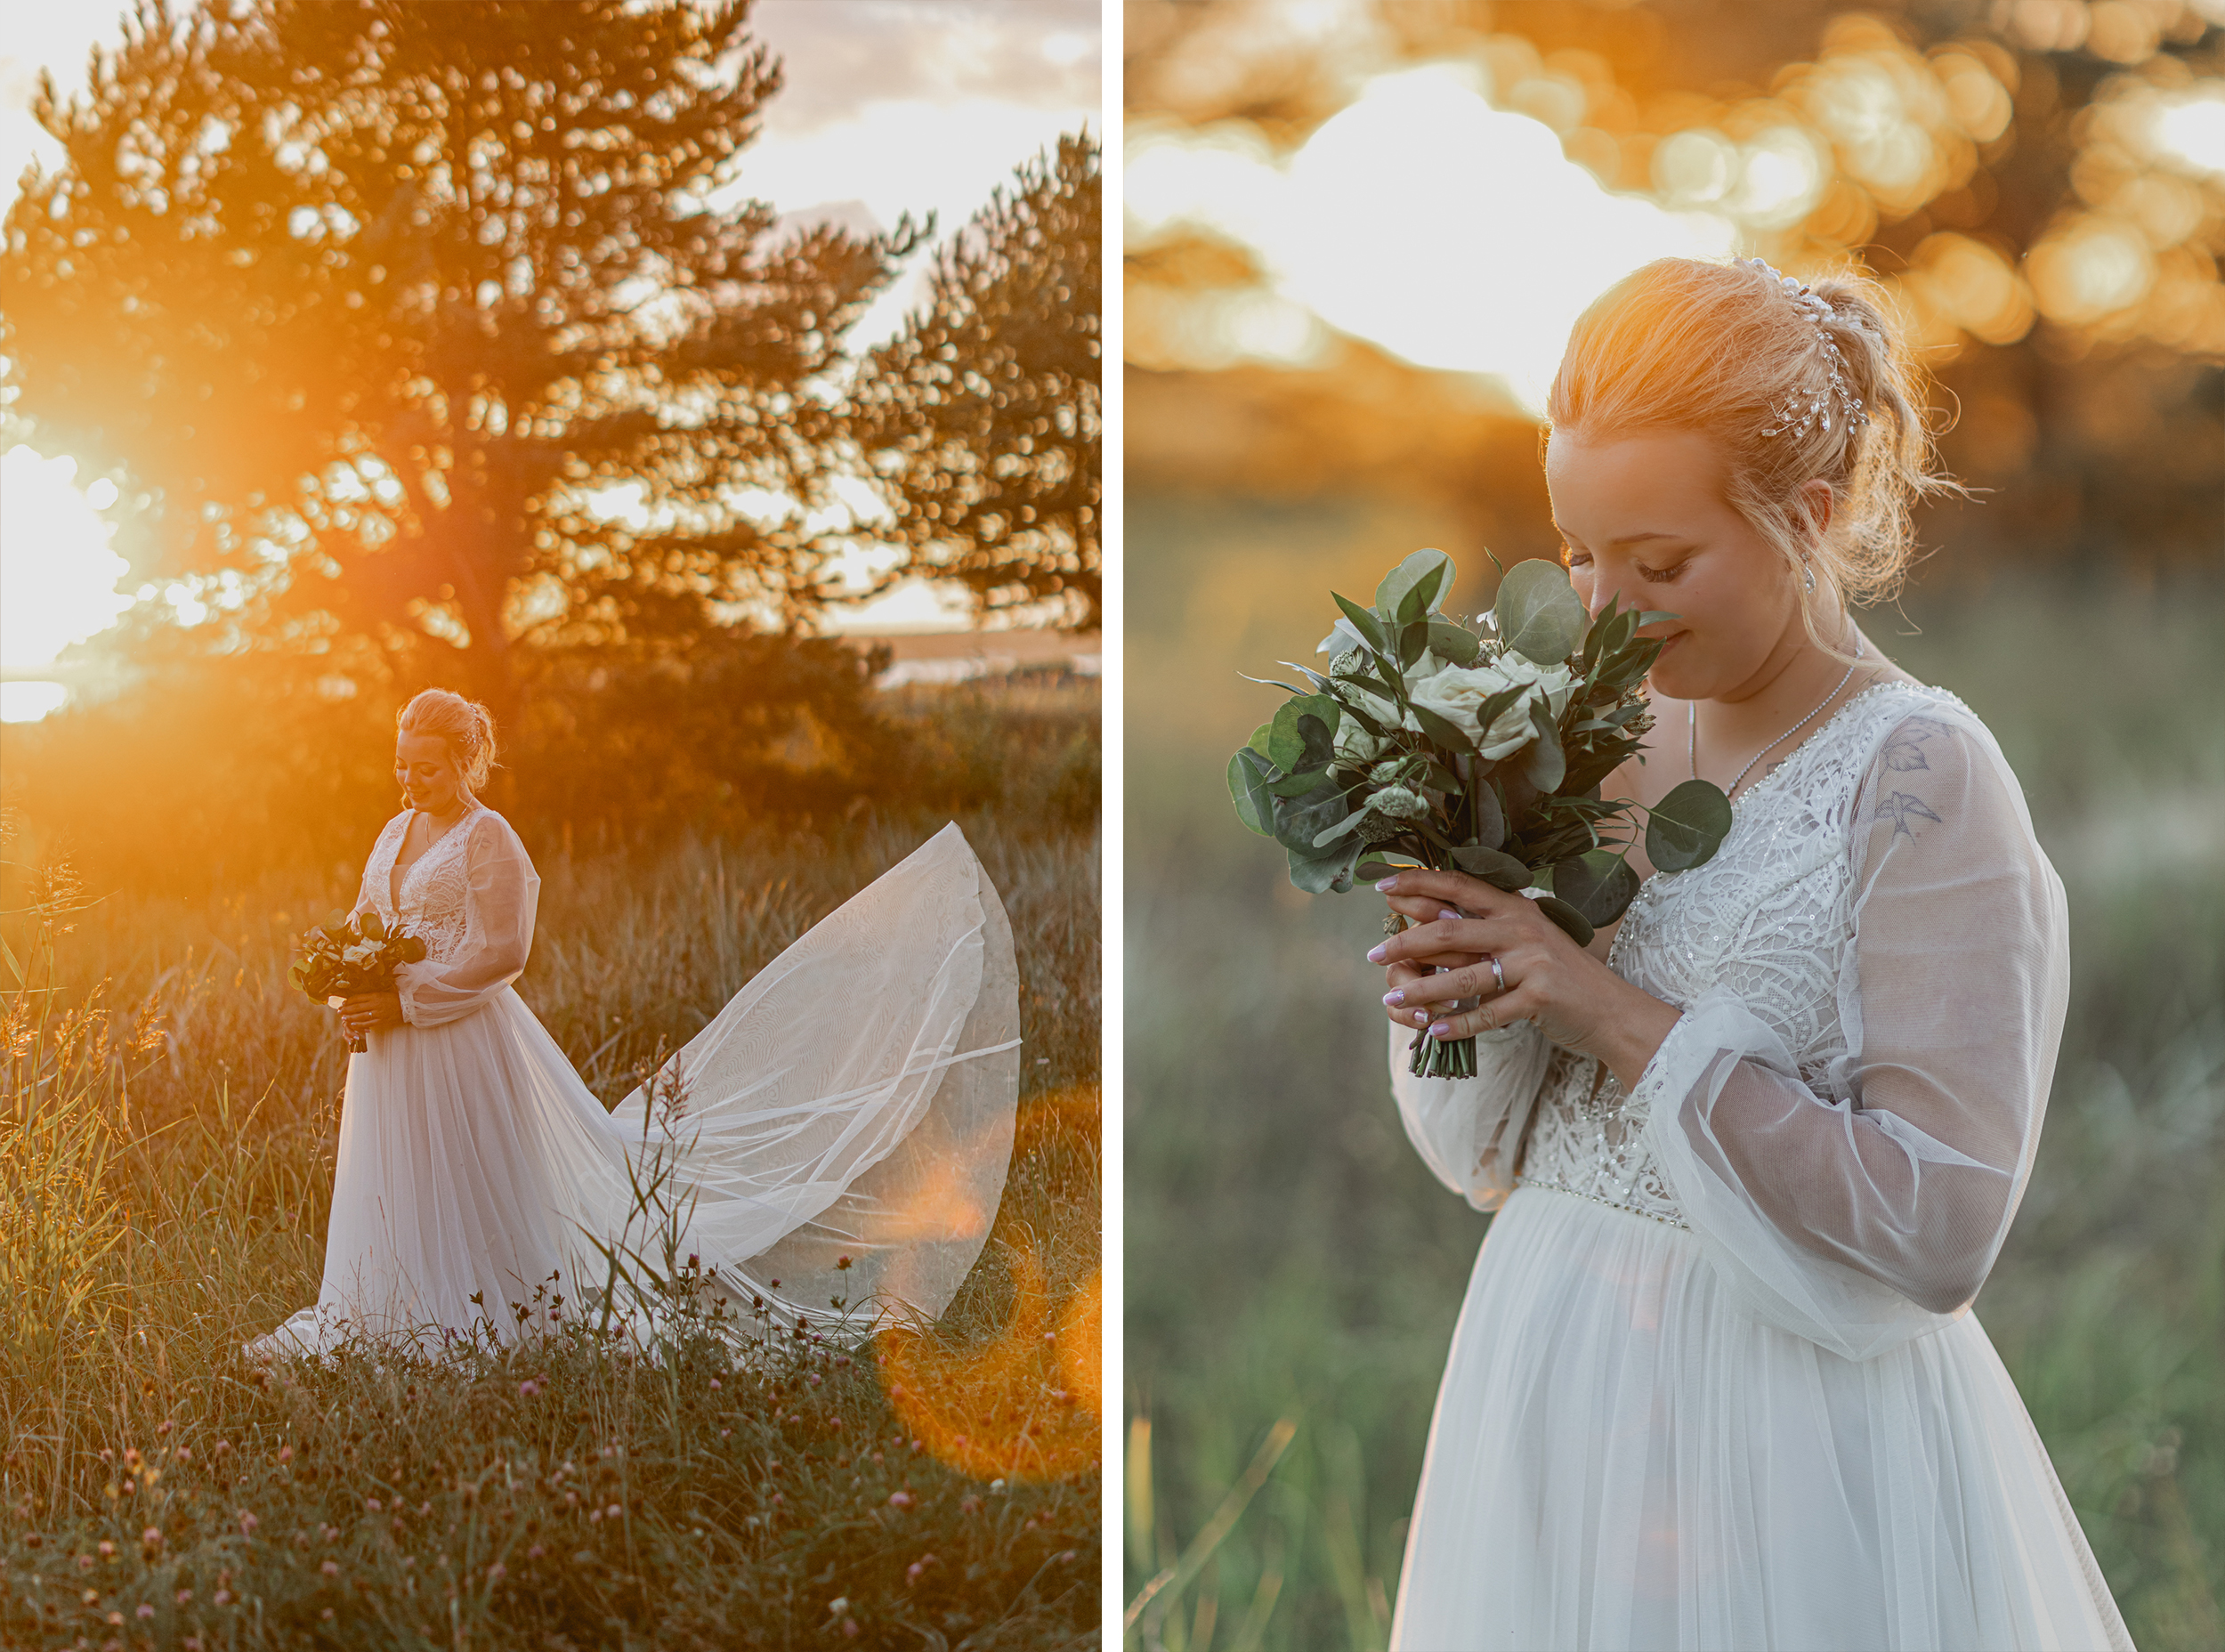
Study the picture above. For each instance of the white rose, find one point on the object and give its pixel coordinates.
(363, 952)
(1457, 694)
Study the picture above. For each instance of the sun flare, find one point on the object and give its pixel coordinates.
(58, 575)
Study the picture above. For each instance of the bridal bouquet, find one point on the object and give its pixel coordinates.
(1474, 751)
(340, 959)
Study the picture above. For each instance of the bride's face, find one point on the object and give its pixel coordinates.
(427, 773)
(1646, 516)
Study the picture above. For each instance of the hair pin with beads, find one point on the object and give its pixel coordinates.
(1804, 411)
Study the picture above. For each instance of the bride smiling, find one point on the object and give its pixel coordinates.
(1717, 1382)
(840, 1130)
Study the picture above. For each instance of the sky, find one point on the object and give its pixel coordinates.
(888, 107)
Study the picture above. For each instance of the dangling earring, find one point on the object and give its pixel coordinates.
(1808, 575)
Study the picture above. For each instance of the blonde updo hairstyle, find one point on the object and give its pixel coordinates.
(467, 726)
(1724, 350)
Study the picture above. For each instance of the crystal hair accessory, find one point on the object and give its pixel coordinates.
(1803, 411)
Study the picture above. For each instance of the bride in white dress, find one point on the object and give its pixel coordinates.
(1716, 1383)
(840, 1130)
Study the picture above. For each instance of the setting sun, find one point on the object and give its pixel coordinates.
(57, 575)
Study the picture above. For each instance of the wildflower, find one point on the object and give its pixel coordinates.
(185, 1453)
(330, 1569)
(107, 1549)
(327, 1615)
(167, 1426)
(535, 1552)
(899, 1499)
(970, 1505)
(836, 1606)
(285, 1453)
(191, 1643)
(223, 1597)
(850, 1629)
(151, 1537)
(528, 1389)
(613, 1512)
(373, 1504)
(84, 1563)
(146, 1609)
(842, 1264)
(715, 1384)
(184, 1596)
(247, 1522)
(497, 1572)
(223, 1448)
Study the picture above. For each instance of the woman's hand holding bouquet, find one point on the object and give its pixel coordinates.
(344, 958)
(1478, 753)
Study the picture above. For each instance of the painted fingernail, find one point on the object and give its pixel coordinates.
(1440, 1029)
(1394, 998)
(1448, 915)
(1421, 1016)
(1376, 957)
(1384, 885)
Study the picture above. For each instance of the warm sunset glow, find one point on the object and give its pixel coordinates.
(57, 575)
(1478, 262)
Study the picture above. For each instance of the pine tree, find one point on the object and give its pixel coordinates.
(984, 417)
(373, 295)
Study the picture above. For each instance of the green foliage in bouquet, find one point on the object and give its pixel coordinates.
(340, 959)
(1437, 746)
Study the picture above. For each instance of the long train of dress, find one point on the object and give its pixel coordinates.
(1715, 1383)
(840, 1131)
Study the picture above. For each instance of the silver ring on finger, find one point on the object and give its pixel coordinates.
(1498, 975)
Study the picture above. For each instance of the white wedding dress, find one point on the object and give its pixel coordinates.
(842, 1129)
(1715, 1383)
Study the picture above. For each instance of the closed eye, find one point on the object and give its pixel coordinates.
(1660, 576)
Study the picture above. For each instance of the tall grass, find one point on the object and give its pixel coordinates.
(1289, 1258)
(164, 1174)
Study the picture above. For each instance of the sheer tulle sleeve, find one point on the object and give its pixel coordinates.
(1468, 1131)
(376, 865)
(502, 893)
(1857, 1204)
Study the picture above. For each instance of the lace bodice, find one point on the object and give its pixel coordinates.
(434, 889)
(470, 898)
(1769, 918)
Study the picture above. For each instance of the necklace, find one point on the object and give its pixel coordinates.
(1692, 727)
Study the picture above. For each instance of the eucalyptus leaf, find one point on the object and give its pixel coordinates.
(1490, 821)
(1289, 746)
(1298, 821)
(1298, 784)
(1546, 765)
(1415, 586)
(1326, 872)
(373, 925)
(1538, 613)
(1247, 788)
(1258, 741)
(1579, 926)
(1455, 644)
(1501, 870)
(1600, 885)
(1413, 642)
(1685, 828)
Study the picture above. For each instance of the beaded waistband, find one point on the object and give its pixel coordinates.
(1593, 1198)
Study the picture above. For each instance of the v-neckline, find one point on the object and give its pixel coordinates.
(397, 874)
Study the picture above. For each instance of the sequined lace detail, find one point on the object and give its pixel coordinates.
(1769, 918)
(435, 891)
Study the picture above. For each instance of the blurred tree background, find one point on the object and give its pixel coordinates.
(1356, 236)
(442, 344)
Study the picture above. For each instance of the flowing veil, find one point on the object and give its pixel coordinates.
(843, 1126)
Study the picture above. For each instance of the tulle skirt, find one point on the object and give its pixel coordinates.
(832, 1145)
(1622, 1459)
